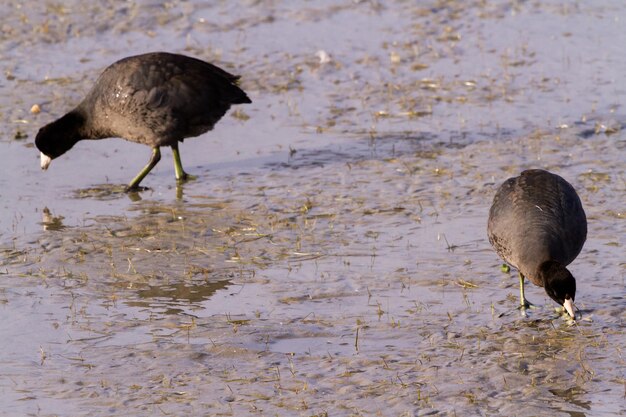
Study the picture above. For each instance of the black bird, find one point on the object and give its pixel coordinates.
(537, 224)
(157, 99)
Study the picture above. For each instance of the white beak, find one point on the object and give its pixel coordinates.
(569, 306)
(45, 161)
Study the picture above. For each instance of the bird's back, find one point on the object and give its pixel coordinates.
(160, 98)
(534, 218)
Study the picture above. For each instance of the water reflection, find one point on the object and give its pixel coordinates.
(106, 192)
(571, 396)
(134, 196)
(179, 190)
(179, 294)
(51, 222)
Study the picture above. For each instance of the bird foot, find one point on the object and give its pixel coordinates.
(186, 177)
(526, 306)
(135, 188)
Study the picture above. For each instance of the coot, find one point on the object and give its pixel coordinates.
(157, 99)
(537, 224)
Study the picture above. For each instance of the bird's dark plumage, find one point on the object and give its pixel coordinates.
(157, 99)
(537, 224)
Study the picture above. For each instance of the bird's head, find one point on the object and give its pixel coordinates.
(58, 137)
(560, 284)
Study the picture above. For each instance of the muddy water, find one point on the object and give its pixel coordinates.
(332, 257)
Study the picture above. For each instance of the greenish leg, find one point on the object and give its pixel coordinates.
(522, 299)
(154, 159)
(181, 175)
(524, 304)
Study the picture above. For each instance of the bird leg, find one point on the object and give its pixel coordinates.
(524, 303)
(154, 159)
(181, 175)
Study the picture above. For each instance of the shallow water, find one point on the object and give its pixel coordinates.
(332, 258)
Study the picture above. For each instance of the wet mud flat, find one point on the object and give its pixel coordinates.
(334, 260)
(268, 300)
